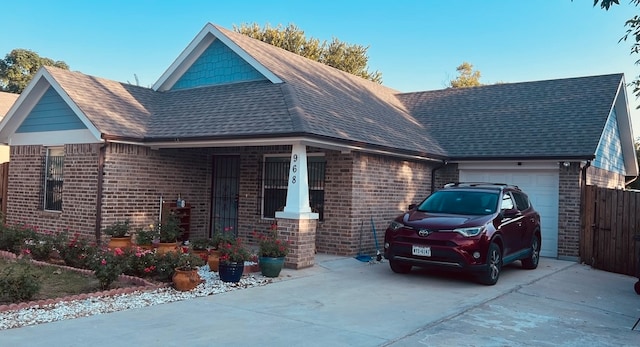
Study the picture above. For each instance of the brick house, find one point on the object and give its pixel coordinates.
(248, 133)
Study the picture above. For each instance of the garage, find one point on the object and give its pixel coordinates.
(538, 180)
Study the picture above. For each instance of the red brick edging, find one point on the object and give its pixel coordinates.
(141, 284)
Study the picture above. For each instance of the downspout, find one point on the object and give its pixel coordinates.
(433, 174)
(584, 173)
(101, 157)
(627, 183)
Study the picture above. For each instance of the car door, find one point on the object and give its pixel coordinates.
(510, 224)
(528, 220)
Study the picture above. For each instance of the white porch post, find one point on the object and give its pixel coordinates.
(296, 222)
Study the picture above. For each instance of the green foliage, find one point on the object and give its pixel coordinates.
(13, 236)
(467, 77)
(76, 251)
(234, 252)
(118, 229)
(202, 244)
(19, 66)
(144, 237)
(169, 229)
(139, 262)
(107, 265)
(166, 265)
(350, 58)
(270, 245)
(189, 261)
(18, 283)
(40, 246)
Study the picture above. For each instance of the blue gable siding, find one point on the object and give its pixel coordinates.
(218, 64)
(609, 152)
(51, 113)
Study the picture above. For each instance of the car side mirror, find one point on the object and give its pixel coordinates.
(510, 213)
(412, 206)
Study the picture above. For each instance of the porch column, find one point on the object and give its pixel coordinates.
(296, 222)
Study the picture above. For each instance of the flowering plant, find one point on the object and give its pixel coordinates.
(234, 252)
(189, 261)
(118, 229)
(140, 262)
(270, 245)
(107, 266)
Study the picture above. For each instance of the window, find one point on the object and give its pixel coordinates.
(53, 180)
(276, 179)
(507, 202)
(521, 201)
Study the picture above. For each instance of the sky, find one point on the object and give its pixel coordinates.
(415, 44)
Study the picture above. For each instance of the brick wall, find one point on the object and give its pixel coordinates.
(25, 195)
(569, 211)
(446, 174)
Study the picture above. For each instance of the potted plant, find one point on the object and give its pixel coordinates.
(144, 238)
(232, 259)
(201, 247)
(271, 251)
(186, 275)
(219, 237)
(168, 232)
(119, 232)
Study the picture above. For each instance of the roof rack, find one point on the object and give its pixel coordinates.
(478, 184)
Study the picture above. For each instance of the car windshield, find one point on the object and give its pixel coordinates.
(460, 202)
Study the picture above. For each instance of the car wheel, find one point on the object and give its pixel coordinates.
(494, 266)
(399, 267)
(531, 262)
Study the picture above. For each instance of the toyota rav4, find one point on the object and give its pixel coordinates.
(470, 227)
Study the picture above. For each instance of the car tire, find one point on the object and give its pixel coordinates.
(399, 268)
(531, 262)
(494, 266)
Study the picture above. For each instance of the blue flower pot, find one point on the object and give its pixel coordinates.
(230, 272)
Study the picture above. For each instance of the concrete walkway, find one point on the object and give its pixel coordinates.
(344, 302)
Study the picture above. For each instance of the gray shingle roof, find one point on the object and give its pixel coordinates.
(553, 118)
(532, 119)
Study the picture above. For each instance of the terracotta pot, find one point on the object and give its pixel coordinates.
(167, 247)
(119, 242)
(185, 280)
(214, 260)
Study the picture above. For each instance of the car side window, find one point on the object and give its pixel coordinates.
(507, 202)
(522, 202)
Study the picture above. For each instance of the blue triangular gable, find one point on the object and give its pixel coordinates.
(51, 113)
(609, 152)
(218, 64)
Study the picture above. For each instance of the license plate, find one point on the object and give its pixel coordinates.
(421, 251)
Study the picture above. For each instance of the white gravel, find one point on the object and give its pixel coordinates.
(105, 304)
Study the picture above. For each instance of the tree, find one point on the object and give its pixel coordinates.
(340, 55)
(467, 77)
(633, 31)
(19, 66)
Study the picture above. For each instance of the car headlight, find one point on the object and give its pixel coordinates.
(469, 232)
(395, 225)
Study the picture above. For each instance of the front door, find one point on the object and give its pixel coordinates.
(226, 187)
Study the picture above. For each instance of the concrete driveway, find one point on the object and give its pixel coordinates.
(344, 302)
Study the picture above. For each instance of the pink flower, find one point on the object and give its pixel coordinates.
(26, 251)
(118, 251)
(103, 262)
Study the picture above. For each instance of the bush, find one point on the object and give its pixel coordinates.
(12, 236)
(118, 229)
(107, 266)
(166, 265)
(139, 262)
(75, 251)
(18, 283)
(40, 246)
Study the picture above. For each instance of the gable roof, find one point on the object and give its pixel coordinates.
(6, 101)
(304, 100)
(561, 118)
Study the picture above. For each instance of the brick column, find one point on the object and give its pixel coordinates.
(302, 235)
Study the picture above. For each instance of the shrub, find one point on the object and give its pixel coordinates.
(18, 283)
(118, 229)
(12, 236)
(144, 237)
(166, 265)
(139, 262)
(107, 265)
(40, 246)
(75, 251)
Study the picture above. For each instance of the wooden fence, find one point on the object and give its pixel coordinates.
(610, 222)
(4, 182)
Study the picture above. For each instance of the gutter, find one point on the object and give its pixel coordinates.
(433, 174)
(101, 158)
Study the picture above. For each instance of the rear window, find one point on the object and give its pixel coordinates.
(460, 202)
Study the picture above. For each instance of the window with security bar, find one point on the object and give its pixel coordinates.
(53, 179)
(275, 183)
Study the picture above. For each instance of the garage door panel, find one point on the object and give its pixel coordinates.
(542, 188)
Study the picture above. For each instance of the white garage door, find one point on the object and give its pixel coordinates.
(541, 185)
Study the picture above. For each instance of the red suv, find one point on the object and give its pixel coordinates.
(471, 227)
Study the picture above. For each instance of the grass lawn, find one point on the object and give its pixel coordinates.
(58, 282)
